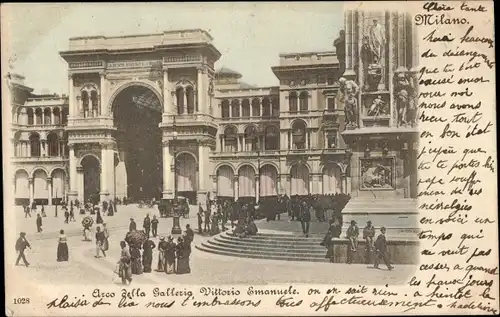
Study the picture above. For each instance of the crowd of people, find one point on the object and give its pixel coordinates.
(375, 249)
(137, 252)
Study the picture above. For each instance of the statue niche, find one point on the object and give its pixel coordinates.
(373, 46)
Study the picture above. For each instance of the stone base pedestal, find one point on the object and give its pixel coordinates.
(400, 252)
(104, 196)
(167, 195)
(398, 216)
(72, 196)
(202, 198)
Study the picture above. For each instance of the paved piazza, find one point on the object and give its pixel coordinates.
(84, 268)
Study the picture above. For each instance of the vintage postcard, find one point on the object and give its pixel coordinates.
(301, 158)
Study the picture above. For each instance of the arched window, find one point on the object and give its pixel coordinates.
(38, 115)
(266, 108)
(272, 138)
(304, 99)
(35, 145)
(86, 103)
(179, 93)
(190, 99)
(299, 135)
(53, 144)
(251, 139)
(230, 140)
(57, 116)
(292, 102)
(245, 108)
(31, 117)
(94, 100)
(255, 107)
(275, 108)
(235, 108)
(46, 116)
(18, 144)
(225, 108)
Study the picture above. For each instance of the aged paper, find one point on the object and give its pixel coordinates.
(249, 158)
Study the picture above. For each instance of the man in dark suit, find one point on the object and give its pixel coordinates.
(305, 218)
(381, 250)
(21, 245)
(132, 226)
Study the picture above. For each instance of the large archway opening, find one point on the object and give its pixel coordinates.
(91, 178)
(137, 115)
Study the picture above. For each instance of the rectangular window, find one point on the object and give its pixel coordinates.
(331, 139)
(330, 103)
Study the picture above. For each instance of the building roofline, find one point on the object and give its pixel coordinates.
(138, 35)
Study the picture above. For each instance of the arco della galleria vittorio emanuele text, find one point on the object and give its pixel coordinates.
(150, 115)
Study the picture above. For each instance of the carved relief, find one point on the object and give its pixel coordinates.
(377, 173)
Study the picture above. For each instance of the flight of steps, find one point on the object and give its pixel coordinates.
(285, 247)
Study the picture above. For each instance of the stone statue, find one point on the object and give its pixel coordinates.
(377, 42)
(339, 44)
(405, 99)
(377, 107)
(351, 103)
(340, 97)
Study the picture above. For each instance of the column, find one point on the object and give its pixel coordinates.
(222, 142)
(49, 182)
(104, 107)
(167, 172)
(307, 139)
(257, 188)
(71, 97)
(201, 92)
(167, 95)
(31, 189)
(72, 173)
(214, 186)
(414, 46)
(236, 187)
(104, 172)
(350, 42)
(203, 165)
(185, 101)
(260, 106)
(80, 184)
(43, 116)
(52, 116)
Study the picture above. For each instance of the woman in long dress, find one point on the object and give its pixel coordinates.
(124, 270)
(86, 233)
(98, 218)
(147, 255)
(62, 247)
(105, 230)
(170, 254)
(183, 251)
(136, 264)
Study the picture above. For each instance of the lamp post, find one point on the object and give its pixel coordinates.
(176, 227)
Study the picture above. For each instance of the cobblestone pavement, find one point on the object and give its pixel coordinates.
(207, 269)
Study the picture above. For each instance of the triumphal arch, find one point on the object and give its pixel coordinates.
(135, 103)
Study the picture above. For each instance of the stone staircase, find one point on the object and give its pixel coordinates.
(294, 247)
(285, 247)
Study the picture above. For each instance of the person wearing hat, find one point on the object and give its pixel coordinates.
(154, 226)
(162, 247)
(21, 245)
(368, 236)
(132, 226)
(146, 224)
(305, 218)
(38, 223)
(147, 255)
(170, 250)
(352, 235)
(381, 250)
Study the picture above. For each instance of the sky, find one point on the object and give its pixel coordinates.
(250, 36)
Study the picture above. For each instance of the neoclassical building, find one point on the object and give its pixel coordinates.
(148, 115)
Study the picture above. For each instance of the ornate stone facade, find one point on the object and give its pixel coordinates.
(229, 138)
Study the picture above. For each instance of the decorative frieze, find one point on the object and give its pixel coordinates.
(86, 64)
(133, 64)
(181, 59)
